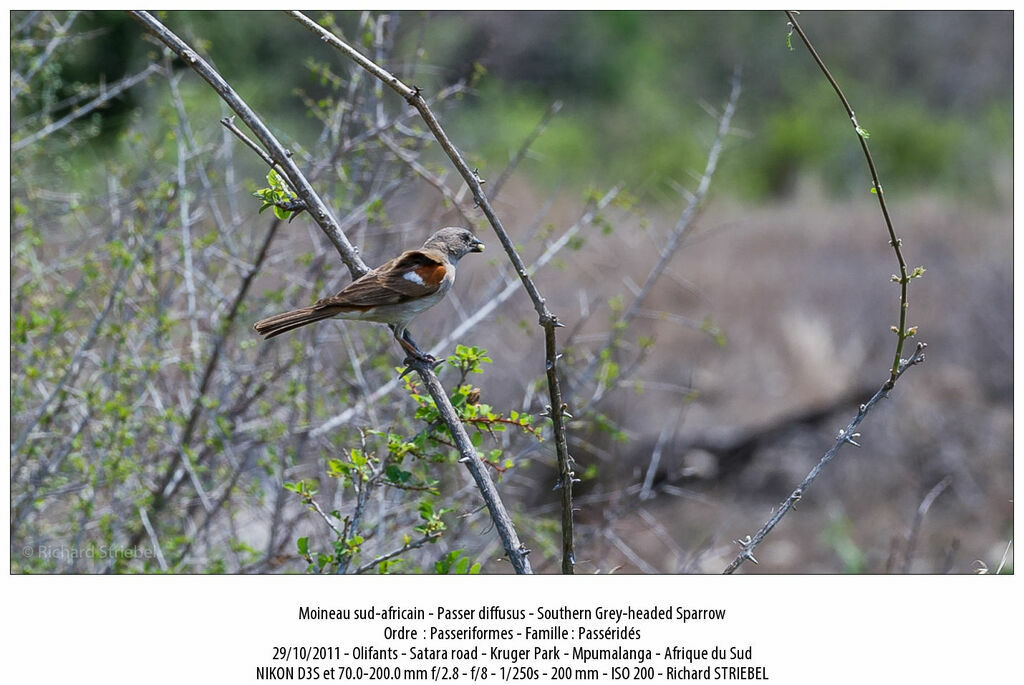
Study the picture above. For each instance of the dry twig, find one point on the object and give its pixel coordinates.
(899, 365)
(548, 321)
(350, 256)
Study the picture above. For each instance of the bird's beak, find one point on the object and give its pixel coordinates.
(477, 246)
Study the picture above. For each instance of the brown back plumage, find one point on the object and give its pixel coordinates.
(383, 286)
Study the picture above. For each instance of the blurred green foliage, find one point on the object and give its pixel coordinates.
(934, 94)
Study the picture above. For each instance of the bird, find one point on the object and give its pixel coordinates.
(393, 293)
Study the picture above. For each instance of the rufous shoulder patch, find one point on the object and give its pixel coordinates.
(431, 274)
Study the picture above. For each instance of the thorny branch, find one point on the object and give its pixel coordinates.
(515, 550)
(511, 286)
(848, 434)
(547, 320)
(904, 278)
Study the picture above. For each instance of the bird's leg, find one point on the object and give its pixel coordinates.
(410, 346)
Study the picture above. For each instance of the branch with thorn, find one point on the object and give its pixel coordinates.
(546, 319)
(324, 218)
(849, 435)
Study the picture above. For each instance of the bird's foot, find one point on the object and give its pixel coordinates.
(412, 359)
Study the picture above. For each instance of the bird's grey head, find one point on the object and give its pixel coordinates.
(456, 242)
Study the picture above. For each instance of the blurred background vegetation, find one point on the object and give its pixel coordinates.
(937, 107)
(788, 274)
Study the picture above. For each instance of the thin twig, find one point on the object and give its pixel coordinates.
(153, 539)
(438, 183)
(1006, 554)
(414, 544)
(652, 466)
(679, 231)
(546, 319)
(327, 519)
(922, 511)
(515, 550)
(846, 435)
(629, 553)
(904, 278)
(553, 109)
(105, 96)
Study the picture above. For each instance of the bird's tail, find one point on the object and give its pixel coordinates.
(282, 323)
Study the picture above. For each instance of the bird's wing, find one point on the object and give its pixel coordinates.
(413, 274)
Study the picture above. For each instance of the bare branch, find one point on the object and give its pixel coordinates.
(553, 109)
(414, 544)
(922, 511)
(75, 365)
(171, 479)
(902, 332)
(316, 207)
(318, 210)
(679, 231)
(106, 95)
(424, 173)
(18, 82)
(153, 539)
(547, 320)
(846, 435)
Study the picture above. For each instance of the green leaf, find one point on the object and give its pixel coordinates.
(303, 545)
(397, 475)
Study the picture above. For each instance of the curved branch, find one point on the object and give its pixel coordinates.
(547, 320)
(899, 365)
(904, 278)
(515, 550)
(846, 435)
(317, 209)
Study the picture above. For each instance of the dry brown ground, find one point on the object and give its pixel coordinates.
(801, 291)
